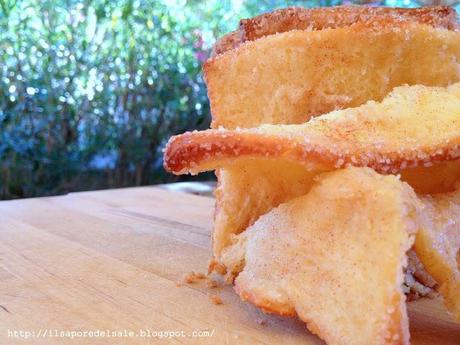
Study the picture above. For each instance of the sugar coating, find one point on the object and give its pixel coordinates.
(415, 126)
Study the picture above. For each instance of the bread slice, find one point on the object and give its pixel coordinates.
(299, 18)
(438, 246)
(290, 77)
(414, 132)
(414, 126)
(335, 257)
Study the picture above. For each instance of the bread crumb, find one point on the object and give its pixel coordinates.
(215, 299)
(211, 284)
(214, 266)
(193, 277)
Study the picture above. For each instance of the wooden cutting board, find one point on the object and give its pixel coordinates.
(110, 260)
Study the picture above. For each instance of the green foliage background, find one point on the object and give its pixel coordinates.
(90, 91)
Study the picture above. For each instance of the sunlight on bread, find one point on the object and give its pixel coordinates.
(413, 126)
(289, 77)
(336, 145)
(414, 131)
(314, 255)
(299, 18)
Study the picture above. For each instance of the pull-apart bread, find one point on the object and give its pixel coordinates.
(291, 257)
(319, 61)
(414, 131)
(336, 256)
(338, 218)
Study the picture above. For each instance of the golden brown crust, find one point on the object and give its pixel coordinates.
(298, 18)
(267, 305)
(226, 42)
(196, 152)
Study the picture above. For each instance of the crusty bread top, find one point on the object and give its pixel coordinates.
(332, 17)
(299, 18)
(292, 76)
(226, 42)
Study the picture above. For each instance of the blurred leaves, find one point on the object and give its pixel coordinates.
(7, 6)
(91, 90)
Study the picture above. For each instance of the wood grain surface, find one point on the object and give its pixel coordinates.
(109, 261)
